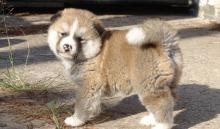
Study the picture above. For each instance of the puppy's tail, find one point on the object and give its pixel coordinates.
(161, 35)
(156, 33)
(153, 32)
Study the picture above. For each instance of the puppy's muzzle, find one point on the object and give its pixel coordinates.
(67, 47)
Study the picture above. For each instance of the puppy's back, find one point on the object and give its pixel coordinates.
(145, 66)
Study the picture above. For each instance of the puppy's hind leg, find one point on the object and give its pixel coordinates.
(87, 105)
(160, 108)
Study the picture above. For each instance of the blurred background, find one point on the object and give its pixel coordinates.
(104, 5)
(205, 8)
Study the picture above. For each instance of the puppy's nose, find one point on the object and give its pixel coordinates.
(67, 47)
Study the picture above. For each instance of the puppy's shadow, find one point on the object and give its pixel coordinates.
(196, 104)
(199, 103)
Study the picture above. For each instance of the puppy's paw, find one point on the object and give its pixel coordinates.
(73, 121)
(148, 120)
(162, 126)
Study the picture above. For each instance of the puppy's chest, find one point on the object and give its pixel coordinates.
(76, 73)
(82, 71)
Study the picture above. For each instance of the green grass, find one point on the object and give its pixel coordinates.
(11, 79)
(55, 110)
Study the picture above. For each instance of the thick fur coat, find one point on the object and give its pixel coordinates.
(143, 60)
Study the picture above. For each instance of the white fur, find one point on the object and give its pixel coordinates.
(67, 64)
(69, 40)
(74, 27)
(148, 120)
(73, 121)
(91, 48)
(162, 126)
(136, 36)
(52, 40)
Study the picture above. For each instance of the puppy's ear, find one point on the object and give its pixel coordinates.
(55, 16)
(99, 28)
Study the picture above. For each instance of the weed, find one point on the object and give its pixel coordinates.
(55, 110)
(11, 78)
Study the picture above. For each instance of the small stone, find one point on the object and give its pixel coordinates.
(47, 126)
(38, 123)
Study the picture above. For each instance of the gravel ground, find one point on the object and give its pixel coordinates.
(198, 106)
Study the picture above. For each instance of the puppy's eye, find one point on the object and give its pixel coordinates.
(80, 40)
(63, 34)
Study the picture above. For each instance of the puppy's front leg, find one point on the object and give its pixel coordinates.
(88, 105)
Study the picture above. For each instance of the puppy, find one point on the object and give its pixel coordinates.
(143, 60)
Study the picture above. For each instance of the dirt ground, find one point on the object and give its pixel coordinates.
(198, 106)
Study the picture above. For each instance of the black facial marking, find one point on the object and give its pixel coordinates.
(99, 28)
(64, 34)
(79, 39)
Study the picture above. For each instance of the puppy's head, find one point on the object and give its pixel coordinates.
(75, 32)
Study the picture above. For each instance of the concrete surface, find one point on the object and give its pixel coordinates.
(198, 106)
(210, 9)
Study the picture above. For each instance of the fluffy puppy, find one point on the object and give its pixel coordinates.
(143, 60)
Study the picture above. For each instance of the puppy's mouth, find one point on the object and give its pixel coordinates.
(67, 55)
